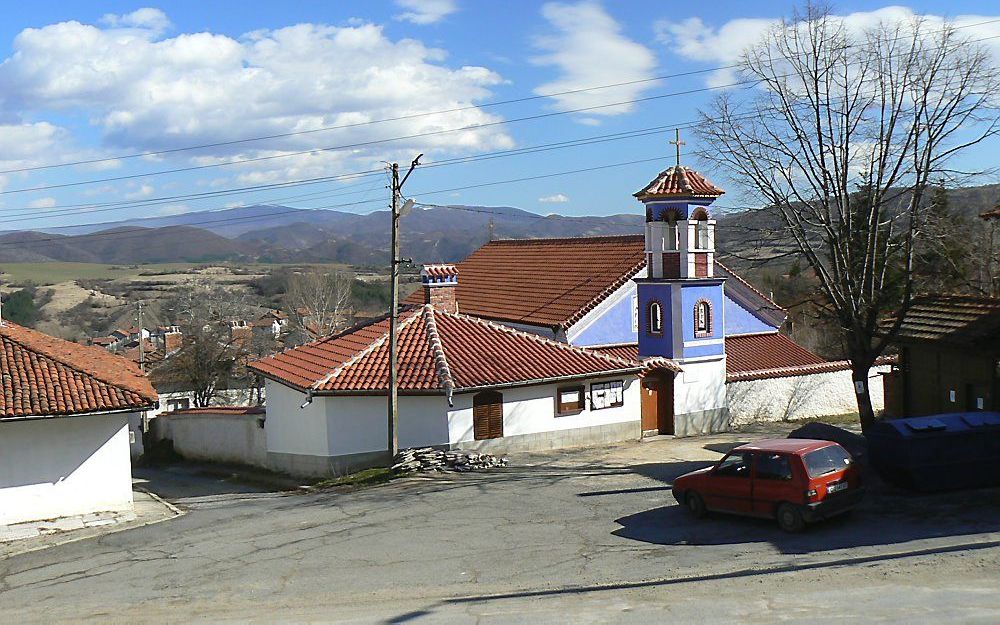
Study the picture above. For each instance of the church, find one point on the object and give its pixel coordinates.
(544, 343)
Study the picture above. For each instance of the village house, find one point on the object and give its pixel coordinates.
(949, 357)
(663, 339)
(68, 416)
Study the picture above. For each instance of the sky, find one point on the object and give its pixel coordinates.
(111, 82)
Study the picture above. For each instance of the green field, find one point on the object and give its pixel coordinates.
(51, 273)
(42, 274)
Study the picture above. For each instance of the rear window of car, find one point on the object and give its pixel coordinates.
(826, 460)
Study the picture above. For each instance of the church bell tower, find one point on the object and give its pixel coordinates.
(680, 300)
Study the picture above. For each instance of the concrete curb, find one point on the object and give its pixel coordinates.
(107, 529)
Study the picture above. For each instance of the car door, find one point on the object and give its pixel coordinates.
(730, 486)
(773, 482)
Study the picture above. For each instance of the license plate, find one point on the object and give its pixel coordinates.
(836, 488)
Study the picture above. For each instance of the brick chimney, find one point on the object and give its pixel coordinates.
(172, 340)
(440, 287)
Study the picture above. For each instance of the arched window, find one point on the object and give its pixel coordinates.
(655, 318)
(703, 318)
(670, 236)
(700, 217)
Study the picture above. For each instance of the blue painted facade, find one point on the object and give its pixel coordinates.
(739, 320)
(656, 344)
(683, 208)
(613, 326)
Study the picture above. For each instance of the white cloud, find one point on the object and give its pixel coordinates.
(693, 39)
(425, 11)
(150, 93)
(42, 202)
(141, 191)
(589, 49)
(558, 198)
(153, 20)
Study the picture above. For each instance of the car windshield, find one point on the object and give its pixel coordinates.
(826, 460)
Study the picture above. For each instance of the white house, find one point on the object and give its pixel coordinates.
(464, 383)
(65, 412)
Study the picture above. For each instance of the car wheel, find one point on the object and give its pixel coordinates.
(790, 518)
(695, 504)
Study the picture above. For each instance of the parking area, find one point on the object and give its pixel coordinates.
(574, 535)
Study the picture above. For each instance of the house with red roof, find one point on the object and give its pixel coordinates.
(65, 433)
(464, 382)
(494, 350)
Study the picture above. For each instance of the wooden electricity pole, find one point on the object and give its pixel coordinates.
(142, 347)
(397, 194)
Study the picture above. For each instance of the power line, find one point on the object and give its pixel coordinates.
(370, 122)
(55, 211)
(124, 233)
(415, 115)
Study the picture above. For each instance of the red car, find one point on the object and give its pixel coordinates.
(795, 481)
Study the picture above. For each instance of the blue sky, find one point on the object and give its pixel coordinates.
(84, 81)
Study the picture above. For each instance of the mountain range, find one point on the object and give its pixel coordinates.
(270, 233)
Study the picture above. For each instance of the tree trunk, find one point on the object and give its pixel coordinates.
(859, 376)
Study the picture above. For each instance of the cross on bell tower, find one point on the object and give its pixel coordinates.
(678, 142)
(680, 298)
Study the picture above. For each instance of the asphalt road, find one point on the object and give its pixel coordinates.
(583, 536)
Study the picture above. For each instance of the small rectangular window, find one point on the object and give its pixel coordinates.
(569, 400)
(607, 394)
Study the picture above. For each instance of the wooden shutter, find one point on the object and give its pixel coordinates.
(487, 415)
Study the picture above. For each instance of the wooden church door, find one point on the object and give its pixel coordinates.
(487, 415)
(658, 403)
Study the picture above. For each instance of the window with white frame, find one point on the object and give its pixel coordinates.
(655, 318)
(703, 318)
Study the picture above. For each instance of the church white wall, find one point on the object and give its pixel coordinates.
(531, 410)
(64, 466)
(701, 386)
(799, 397)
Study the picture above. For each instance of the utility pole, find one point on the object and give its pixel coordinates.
(142, 347)
(397, 194)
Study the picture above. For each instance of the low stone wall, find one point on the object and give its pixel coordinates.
(799, 397)
(233, 435)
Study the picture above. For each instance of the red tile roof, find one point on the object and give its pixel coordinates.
(679, 181)
(555, 282)
(755, 356)
(47, 376)
(439, 271)
(953, 319)
(437, 351)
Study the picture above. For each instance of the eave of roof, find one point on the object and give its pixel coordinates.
(476, 354)
(47, 377)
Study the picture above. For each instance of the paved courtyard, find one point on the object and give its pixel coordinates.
(573, 536)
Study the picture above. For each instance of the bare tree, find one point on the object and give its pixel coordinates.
(320, 300)
(216, 342)
(840, 137)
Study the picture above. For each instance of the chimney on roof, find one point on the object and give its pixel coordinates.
(440, 287)
(173, 340)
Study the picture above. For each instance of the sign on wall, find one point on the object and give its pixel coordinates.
(607, 394)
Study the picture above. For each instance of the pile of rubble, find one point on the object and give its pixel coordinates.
(428, 459)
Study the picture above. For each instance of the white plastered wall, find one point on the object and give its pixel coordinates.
(799, 397)
(531, 410)
(343, 425)
(64, 466)
(700, 386)
(291, 429)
